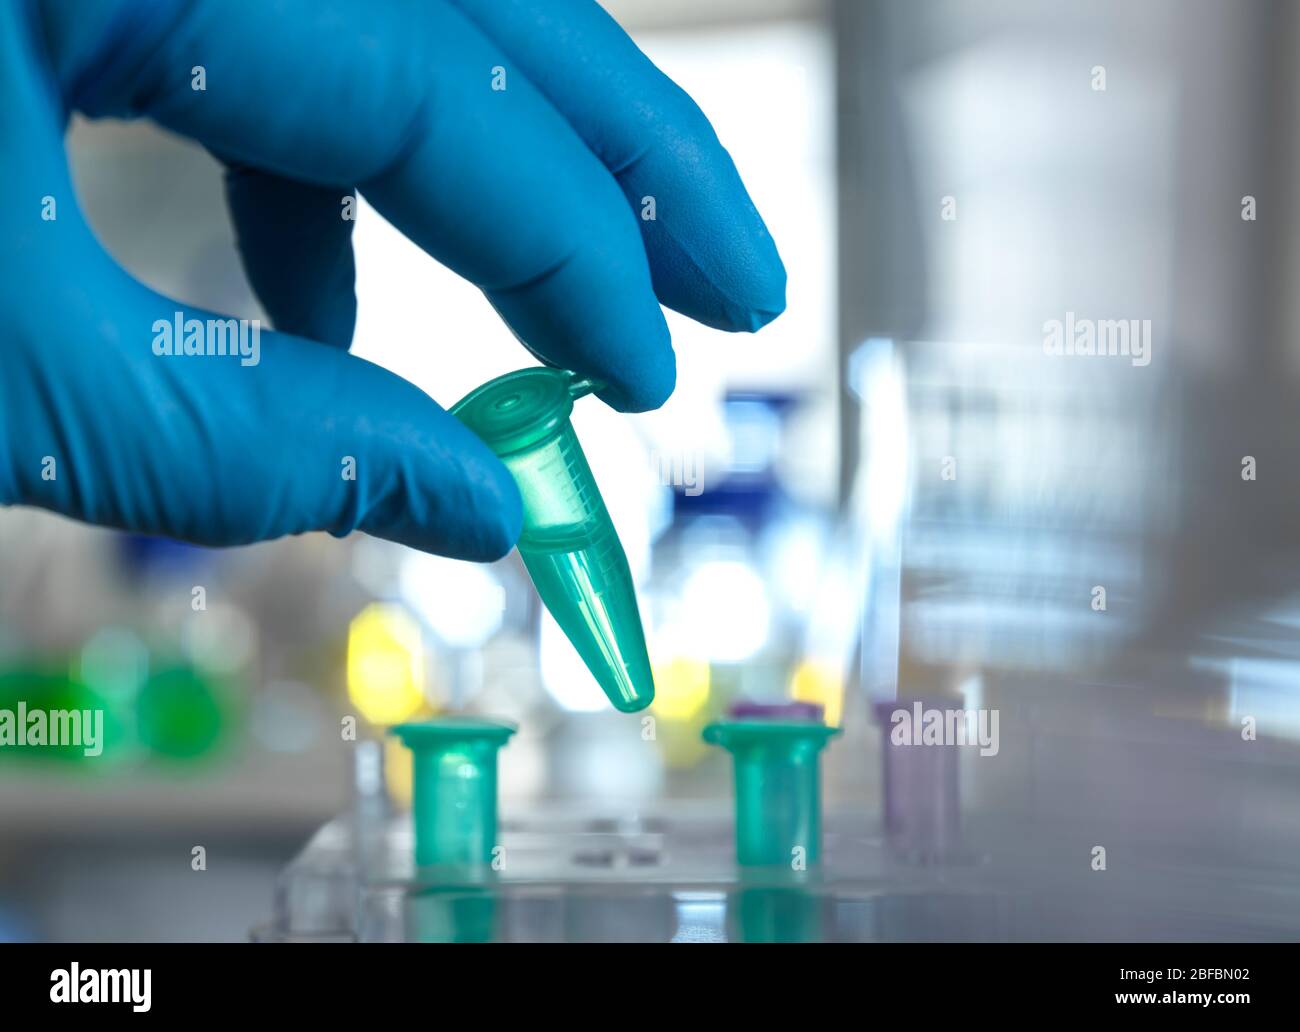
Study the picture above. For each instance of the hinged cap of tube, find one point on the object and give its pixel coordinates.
(521, 409)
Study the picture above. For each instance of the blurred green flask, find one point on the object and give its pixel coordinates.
(568, 542)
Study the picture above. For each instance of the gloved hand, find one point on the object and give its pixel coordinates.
(532, 192)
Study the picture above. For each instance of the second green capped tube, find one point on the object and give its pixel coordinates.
(568, 541)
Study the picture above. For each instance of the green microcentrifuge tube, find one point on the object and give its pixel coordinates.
(778, 788)
(454, 792)
(568, 541)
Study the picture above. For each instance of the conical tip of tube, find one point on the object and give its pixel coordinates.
(636, 704)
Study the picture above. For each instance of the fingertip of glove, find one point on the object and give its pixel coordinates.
(502, 522)
(761, 298)
(751, 320)
(652, 383)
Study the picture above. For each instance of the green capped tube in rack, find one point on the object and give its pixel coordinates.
(568, 543)
(778, 788)
(454, 791)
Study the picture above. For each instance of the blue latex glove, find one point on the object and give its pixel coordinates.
(532, 193)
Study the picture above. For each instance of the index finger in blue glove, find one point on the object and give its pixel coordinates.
(296, 247)
(711, 256)
(400, 99)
